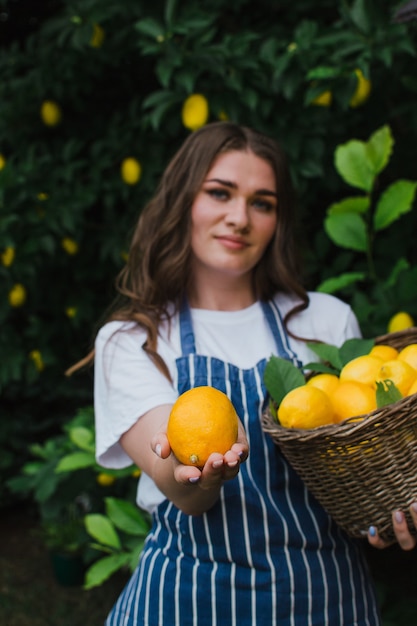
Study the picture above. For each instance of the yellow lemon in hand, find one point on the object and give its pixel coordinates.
(195, 111)
(364, 369)
(351, 399)
(202, 421)
(400, 321)
(50, 113)
(305, 407)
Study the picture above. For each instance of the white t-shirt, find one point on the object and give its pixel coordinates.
(127, 384)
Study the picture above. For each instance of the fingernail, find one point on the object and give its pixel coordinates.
(217, 464)
(232, 463)
(194, 479)
(240, 453)
(414, 507)
(372, 531)
(399, 517)
(158, 449)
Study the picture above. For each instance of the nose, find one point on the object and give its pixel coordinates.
(237, 214)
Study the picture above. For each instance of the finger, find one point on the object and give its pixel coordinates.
(413, 512)
(402, 532)
(160, 445)
(375, 540)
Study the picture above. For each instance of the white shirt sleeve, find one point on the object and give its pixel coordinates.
(127, 384)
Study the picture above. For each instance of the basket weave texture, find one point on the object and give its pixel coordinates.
(360, 471)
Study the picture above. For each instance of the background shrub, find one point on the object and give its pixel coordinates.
(115, 77)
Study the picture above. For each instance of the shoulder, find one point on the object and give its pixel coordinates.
(326, 318)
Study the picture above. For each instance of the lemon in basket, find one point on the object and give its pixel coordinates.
(409, 355)
(352, 398)
(325, 382)
(305, 407)
(401, 374)
(413, 389)
(364, 369)
(384, 352)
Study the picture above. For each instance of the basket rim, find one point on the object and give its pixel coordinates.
(345, 428)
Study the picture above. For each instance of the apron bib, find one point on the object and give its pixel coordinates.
(266, 553)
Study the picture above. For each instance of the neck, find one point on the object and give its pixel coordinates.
(230, 296)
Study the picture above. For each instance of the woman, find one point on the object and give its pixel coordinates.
(210, 291)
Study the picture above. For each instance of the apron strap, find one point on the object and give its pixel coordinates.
(272, 315)
(186, 330)
(276, 324)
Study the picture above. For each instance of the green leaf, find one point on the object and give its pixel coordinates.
(280, 377)
(126, 516)
(355, 347)
(327, 353)
(350, 205)
(396, 200)
(149, 27)
(379, 148)
(83, 438)
(102, 569)
(101, 528)
(386, 393)
(347, 230)
(332, 285)
(354, 165)
(75, 461)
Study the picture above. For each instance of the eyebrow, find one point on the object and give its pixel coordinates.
(228, 183)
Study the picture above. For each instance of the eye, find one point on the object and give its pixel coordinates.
(218, 193)
(261, 204)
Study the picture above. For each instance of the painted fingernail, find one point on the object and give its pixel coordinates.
(217, 464)
(399, 517)
(194, 479)
(240, 453)
(158, 449)
(372, 531)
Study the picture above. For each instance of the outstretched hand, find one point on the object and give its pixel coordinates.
(218, 467)
(405, 539)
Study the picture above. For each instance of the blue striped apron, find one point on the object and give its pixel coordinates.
(266, 554)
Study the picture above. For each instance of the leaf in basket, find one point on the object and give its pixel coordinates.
(327, 353)
(386, 393)
(280, 377)
(352, 348)
(320, 368)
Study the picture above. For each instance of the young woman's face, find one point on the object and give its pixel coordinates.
(234, 216)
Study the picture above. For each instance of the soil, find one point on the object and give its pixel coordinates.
(29, 592)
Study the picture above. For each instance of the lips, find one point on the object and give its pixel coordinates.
(232, 242)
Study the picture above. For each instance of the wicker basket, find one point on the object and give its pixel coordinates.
(359, 471)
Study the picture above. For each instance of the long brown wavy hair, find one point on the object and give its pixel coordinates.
(156, 277)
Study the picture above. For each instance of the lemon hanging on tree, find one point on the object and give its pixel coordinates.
(202, 421)
(195, 111)
(400, 321)
(17, 295)
(362, 91)
(51, 113)
(131, 171)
